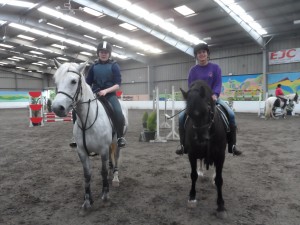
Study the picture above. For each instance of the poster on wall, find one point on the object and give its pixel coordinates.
(242, 87)
(290, 82)
(284, 56)
(14, 96)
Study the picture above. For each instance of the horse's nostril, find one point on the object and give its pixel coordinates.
(61, 108)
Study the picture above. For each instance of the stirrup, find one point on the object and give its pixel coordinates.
(121, 142)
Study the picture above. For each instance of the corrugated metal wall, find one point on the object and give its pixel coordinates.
(10, 81)
(169, 70)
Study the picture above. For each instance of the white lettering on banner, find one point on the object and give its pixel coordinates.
(284, 56)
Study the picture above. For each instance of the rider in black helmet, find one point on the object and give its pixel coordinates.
(104, 77)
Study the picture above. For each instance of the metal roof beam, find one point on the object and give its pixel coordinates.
(167, 39)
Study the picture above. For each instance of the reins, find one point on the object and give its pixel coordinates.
(75, 102)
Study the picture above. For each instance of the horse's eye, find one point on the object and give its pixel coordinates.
(73, 81)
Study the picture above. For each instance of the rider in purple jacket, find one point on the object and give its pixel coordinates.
(212, 75)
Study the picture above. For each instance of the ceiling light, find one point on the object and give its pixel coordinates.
(117, 46)
(184, 10)
(90, 37)
(140, 54)
(296, 21)
(53, 36)
(38, 64)
(72, 19)
(128, 26)
(6, 46)
(18, 3)
(18, 60)
(136, 10)
(92, 12)
(61, 58)
(21, 27)
(51, 12)
(20, 68)
(121, 3)
(90, 26)
(39, 32)
(86, 53)
(2, 22)
(16, 57)
(35, 52)
(26, 37)
(89, 47)
(54, 25)
(59, 46)
(69, 41)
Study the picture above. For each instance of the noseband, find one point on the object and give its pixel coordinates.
(210, 122)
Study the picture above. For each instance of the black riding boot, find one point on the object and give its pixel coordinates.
(232, 141)
(121, 140)
(181, 150)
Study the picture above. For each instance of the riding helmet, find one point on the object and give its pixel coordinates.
(200, 46)
(104, 46)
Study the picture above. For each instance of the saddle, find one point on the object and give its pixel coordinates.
(108, 109)
(278, 101)
(224, 116)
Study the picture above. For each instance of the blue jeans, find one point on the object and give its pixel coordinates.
(232, 122)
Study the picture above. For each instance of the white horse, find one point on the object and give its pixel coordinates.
(273, 102)
(93, 130)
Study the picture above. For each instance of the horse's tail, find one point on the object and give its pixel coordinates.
(268, 109)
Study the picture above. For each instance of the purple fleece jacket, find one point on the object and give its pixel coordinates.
(211, 73)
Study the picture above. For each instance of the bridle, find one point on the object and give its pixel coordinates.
(76, 101)
(210, 122)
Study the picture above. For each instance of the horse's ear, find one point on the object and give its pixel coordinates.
(184, 94)
(82, 66)
(57, 64)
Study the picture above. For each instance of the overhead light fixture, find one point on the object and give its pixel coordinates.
(2, 22)
(86, 53)
(54, 25)
(59, 46)
(35, 52)
(92, 12)
(18, 3)
(61, 58)
(18, 60)
(90, 37)
(16, 57)
(184, 10)
(117, 46)
(128, 26)
(6, 46)
(26, 37)
(296, 21)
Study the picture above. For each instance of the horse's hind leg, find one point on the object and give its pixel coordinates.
(194, 176)
(88, 200)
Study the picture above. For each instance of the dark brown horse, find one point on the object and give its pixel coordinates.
(205, 137)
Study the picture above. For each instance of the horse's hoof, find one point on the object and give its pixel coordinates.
(200, 173)
(115, 183)
(86, 205)
(222, 214)
(192, 204)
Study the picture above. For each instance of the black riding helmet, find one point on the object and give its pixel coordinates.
(201, 46)
(104, 46)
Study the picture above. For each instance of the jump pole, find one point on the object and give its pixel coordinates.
(158, 137)
(165, 124)
(173, 135)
